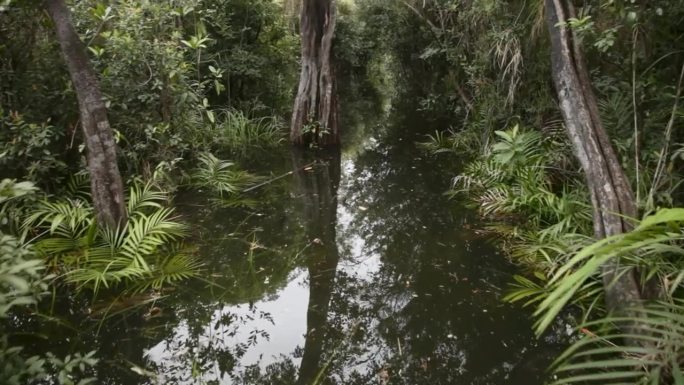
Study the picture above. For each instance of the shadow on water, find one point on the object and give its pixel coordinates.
(356, 270)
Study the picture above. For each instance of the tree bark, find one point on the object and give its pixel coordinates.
(105, 179)
(611, 195)
(314, 116)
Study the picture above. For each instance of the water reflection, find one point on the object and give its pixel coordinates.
(356, 270)
(317, 190)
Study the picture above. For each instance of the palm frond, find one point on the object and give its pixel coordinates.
(146, 233)
(142, 195)
(616, 111)
(221, 176)
(172, 268)
(517, 146)
(67, 218)
(78, 186)
(526, 289)
(656, 233)
(105, 273)
(241, 133)
(95, 258)
(655, 355)
(496, 201)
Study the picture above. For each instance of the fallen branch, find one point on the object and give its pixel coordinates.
(278, 177)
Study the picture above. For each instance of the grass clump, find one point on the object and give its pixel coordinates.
(241, 134)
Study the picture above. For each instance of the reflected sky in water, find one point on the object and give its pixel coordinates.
(356, 270)
(415, 300)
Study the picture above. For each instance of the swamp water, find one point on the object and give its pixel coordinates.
(354, 269)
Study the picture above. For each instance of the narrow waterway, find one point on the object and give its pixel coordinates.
(354, 269)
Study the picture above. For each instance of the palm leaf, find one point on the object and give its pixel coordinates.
(654, 230)
(171, 269)
(146, 233)
(96, 258)
(653, 356)
(144, 195)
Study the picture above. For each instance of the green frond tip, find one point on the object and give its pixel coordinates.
(654, 356)
(662, 216)
(144, 195)
(171, 269)
(654, 234)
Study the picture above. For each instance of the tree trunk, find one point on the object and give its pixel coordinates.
(611, 194)
(105, 179)
(314, 117)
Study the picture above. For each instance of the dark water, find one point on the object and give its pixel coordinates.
(355, 269)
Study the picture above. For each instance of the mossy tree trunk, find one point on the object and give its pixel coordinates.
(105, 179)
(611, 195)
(314, 116)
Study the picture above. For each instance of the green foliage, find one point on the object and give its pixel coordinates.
(515, 147)
(29, 150)
(21, 273)
(178, 76)
(163, 66)
(10, 189)
(154, 98)
(66, 367)
(144, 253)
(17, 369)
(22, 282)
(528, 182)
(650, 352)
(516, 182)
(515, 178)
(653, 356)
(466, 142)
(355, 49)
(21, 279)
(223, 179)
(251, 39)
(438, 143)
(243, 135)
(15, 200)
(546, 251)
(654, 246)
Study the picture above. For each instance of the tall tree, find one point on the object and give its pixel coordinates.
(611, 195)
(316, 104)
(105, 179)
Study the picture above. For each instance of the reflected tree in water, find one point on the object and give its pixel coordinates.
(316, 187)
(400, 290)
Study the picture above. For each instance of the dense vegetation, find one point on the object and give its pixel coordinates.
(561, 126)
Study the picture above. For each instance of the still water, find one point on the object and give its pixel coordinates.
(353, 269)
